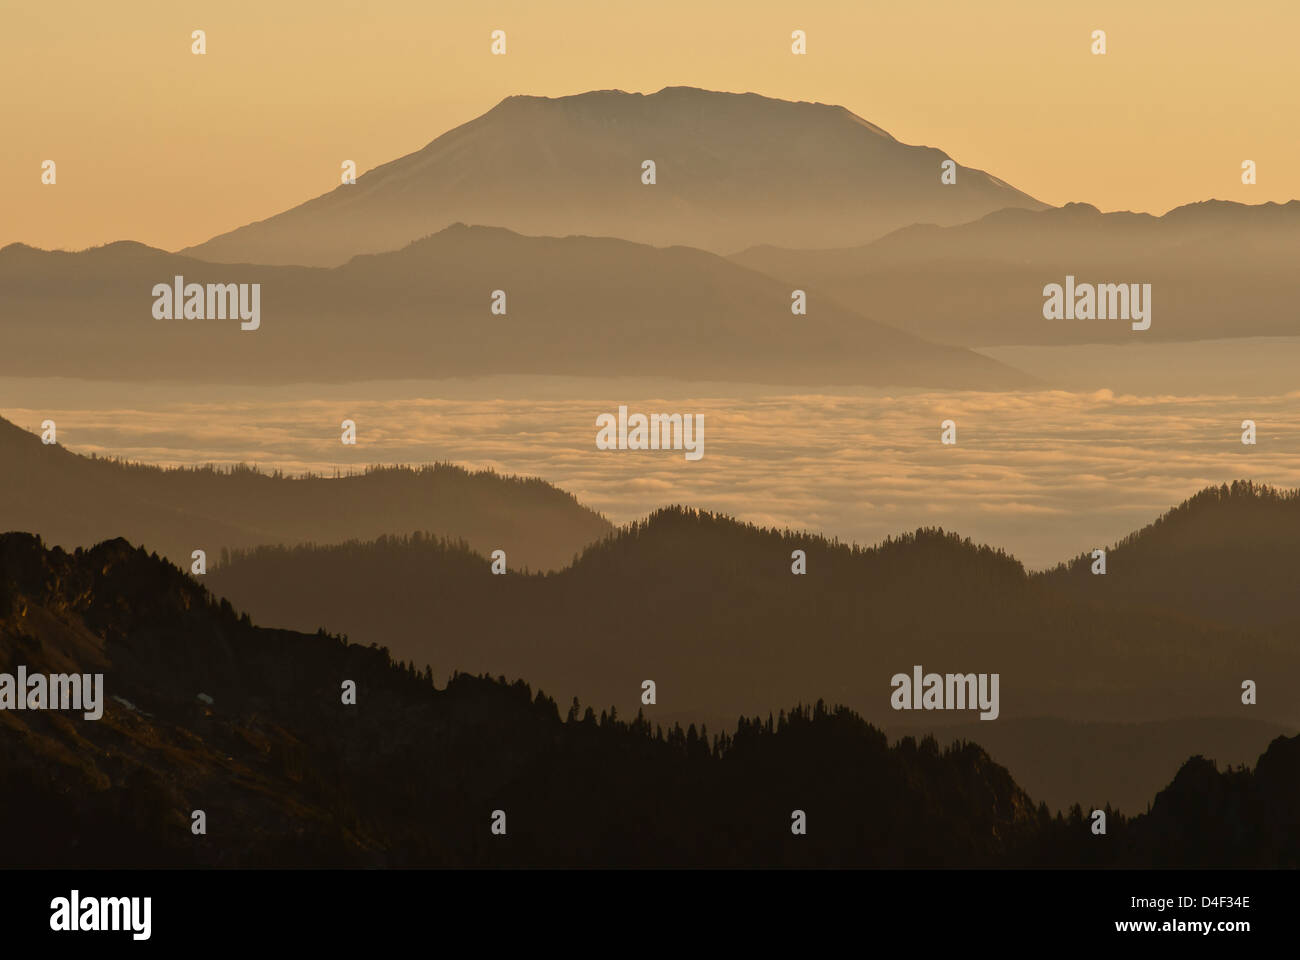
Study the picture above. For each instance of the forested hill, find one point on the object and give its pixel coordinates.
(710, 610)
(73, 500)
(287, 774)
(1229, 554)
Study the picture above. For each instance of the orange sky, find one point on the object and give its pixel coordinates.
(158, 145)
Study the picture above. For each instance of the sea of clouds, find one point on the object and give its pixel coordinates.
(1044, 474)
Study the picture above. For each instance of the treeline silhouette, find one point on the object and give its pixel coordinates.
(75, 500)
(708, 608)
(288, 775)
(1061, 762)
(1228, 555)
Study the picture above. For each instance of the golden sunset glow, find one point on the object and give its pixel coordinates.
(156, 144)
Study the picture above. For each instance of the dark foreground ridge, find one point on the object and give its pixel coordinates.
(287, 775)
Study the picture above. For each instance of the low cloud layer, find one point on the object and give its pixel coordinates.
(1045, 474)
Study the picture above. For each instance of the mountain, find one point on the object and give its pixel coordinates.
(77, 501)
(1216, 269)
(1243, 817)
(708, 608)
(1229, 555)
(1061, 762)
(577, 306)
(206, 712)
(731, 170)
(1116, 695)
(248, 725)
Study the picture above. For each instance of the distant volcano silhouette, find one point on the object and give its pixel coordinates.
(732, 170)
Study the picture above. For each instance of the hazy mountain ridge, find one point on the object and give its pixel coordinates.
(1216, 268)
(574, 306)
(709, 608)
(289, 776)
(77, 501)
(573, 165)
